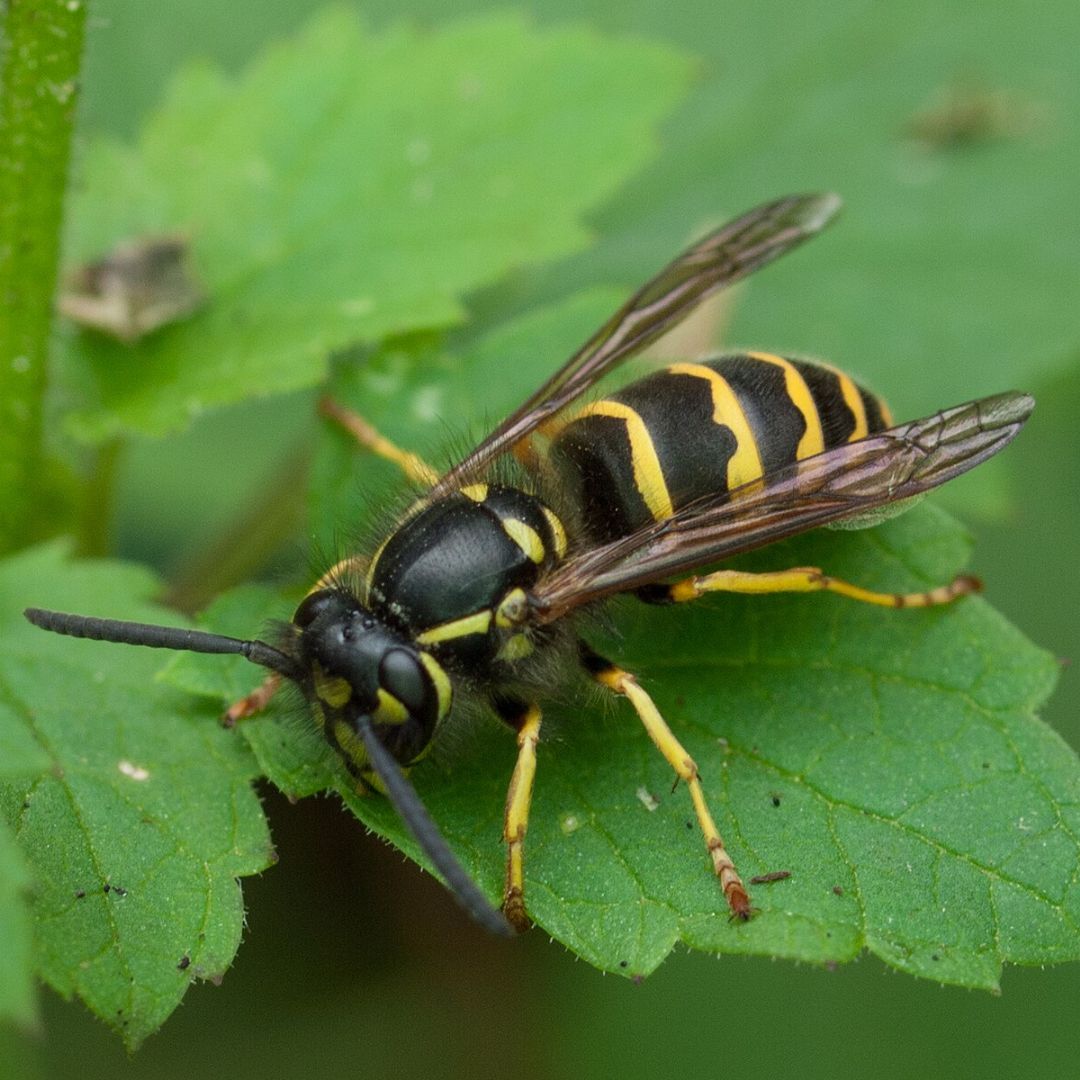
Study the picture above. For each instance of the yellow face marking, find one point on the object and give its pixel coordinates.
(477, 492)
(745, 463)
(332, 689)
(558, 533)
(443, 688)
(648, 476)
(477, 623)
(515, 648)
(526, 538)
(351, 745)
(813, 439)
(374, 781)
(853, 400)
(389, 710)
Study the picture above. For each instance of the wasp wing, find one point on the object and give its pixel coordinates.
(848, 480)
(719, 260)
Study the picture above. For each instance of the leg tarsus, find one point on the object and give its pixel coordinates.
(624, 683)
(803, 579)
(526, 720)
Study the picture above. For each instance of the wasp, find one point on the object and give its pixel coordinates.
(642, 491)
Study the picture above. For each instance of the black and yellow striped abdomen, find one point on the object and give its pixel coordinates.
(695, 429)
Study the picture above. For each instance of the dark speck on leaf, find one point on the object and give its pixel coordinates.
(769, 878)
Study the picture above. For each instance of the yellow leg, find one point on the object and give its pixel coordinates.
(622, 682)
(414, 467)
(516, 821)
(808, 579)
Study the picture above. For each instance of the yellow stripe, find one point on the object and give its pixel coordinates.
(745, 463)
(526, 538)
(514, 648)
(476, 623)
(853, 400)
(477, 492)
(512, 610)
(558, 533)
(332, 689)
(886, 412)
(370, 576)
(389, 710)
(813, 439)
(443, 688)
(350, 744)
(648, 476)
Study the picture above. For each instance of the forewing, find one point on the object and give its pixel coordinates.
(720, 259)
(852, 479)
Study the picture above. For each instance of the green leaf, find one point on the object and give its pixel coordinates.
(291, 756)
(891, 761)
(17, 992)
(436, 402)
(351, 185)
(139, 816)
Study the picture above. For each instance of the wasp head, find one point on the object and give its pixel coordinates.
(356, 666)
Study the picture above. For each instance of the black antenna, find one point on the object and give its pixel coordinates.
(412, 811)
(163, 637)
(401, 793)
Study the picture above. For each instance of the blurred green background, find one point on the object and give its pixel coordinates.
(951, 130)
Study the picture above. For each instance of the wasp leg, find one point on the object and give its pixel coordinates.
(803, 579)
(254, 702)
(525, 720)
(415, 468)
(623, 682)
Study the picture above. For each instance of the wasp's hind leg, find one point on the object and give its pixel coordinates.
(802, 579)
(414, 467)
(623, 682)
(525, 720)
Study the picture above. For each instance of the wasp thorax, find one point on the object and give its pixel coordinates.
(361, 667)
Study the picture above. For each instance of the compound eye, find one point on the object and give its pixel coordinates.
(312, 606)
(401, 675)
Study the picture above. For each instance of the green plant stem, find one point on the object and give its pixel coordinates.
(40, 53)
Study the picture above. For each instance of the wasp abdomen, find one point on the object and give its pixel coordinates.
(695, 429)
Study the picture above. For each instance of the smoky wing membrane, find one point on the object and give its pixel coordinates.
(896, 464)
(720, 259)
